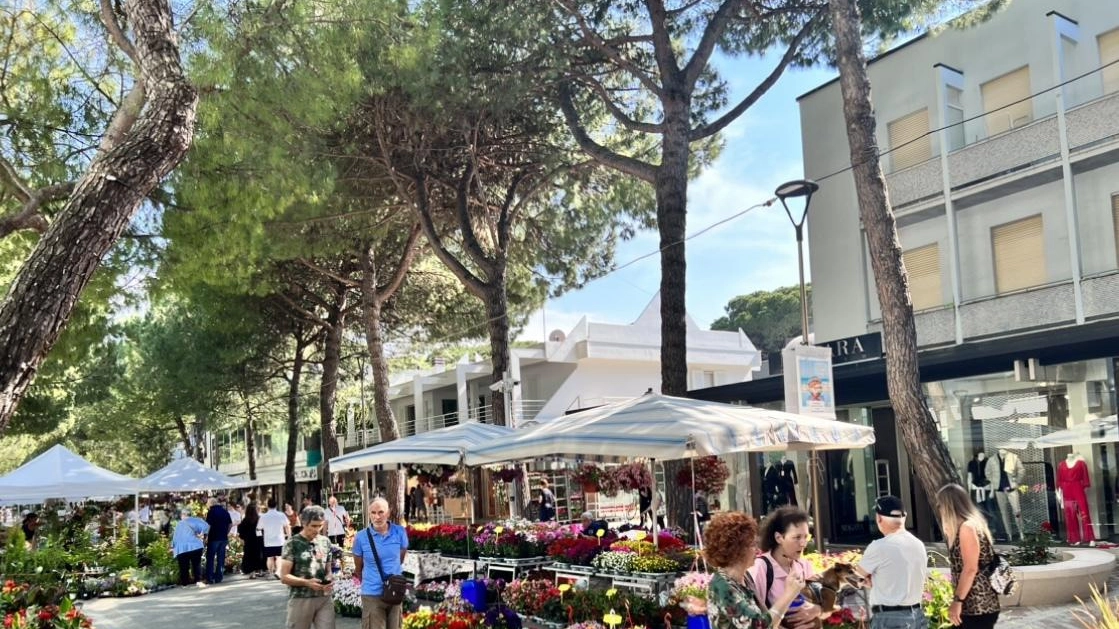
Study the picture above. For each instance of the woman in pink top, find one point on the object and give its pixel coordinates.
(782, 538)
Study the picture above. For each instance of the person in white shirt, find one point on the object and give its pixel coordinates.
(273, 527)
(896, 566)
(236, 515)
(337, 521)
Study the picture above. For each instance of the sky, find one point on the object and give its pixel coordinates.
(756, 251)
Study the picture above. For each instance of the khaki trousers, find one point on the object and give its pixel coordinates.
(375, 614)
(311, 613)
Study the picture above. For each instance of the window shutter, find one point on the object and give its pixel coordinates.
(1019, 249)
(923, 267)
(1109, 52)
(910, 142)
(1115, 221)
(1002, 91)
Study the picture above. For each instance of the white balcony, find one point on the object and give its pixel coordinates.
(363, 437)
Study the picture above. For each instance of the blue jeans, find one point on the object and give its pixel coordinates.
(911, 619)
(215, 560)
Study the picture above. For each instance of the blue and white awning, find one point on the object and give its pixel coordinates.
(665, 428)
(446, 446)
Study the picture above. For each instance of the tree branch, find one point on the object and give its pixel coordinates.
(13, 182)
(110, 20)
(721, 123)
(462, 213)
(662, 42)
(711, 36)
(423, 210)
(345, 281)
(595, 41)
(616, 111)
(402, 267)
(600, 153)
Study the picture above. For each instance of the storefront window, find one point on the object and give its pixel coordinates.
(1015, 441)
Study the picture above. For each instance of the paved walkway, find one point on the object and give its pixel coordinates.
(241, 602)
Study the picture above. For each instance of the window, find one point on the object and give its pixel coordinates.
(923, 266)
(998, 95)
(954, 110)
(1115, 220)
(1109, 53)
(1019, 249)
(910, 143)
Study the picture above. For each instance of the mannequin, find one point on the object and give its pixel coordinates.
(771, 485)
(1072, 480)
(977, 478)
(1008, 469)
(788, 481)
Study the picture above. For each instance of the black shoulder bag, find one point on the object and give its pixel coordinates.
(393, 586)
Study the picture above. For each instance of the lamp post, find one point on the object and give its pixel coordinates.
(792, 190)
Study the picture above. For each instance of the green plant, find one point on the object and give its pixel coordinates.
(939, 593)
(1104, 616)
(1035, 549)
(161, 561)
(119, 554)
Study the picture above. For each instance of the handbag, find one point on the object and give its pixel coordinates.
(393, 587)
(1001, 575)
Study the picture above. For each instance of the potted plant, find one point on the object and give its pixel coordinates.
(589, 476)
(711, 474)
(632, 476)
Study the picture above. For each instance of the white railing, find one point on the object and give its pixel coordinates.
(525, 411)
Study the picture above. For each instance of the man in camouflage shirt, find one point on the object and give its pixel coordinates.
(305, 567)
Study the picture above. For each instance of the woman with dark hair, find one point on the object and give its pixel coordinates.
(782, 540)
(732, 601)
(975, 604)
(252, 563)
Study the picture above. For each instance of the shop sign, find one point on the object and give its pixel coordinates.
(855, 348)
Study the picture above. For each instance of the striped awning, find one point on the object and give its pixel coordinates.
(446, 446)
(186, 474)
(665, 428)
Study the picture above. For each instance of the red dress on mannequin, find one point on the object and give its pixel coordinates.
(1072, 481)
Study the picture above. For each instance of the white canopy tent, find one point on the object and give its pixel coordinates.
(446, 446)
(663, 427)
(186, 474)
(59, 473)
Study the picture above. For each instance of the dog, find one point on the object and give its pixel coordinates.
(825, 590)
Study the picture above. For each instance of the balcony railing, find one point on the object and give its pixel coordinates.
(367, 436)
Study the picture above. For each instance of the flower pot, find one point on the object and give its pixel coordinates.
(699, 622)
(590, 488)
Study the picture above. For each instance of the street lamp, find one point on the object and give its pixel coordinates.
(793, 189)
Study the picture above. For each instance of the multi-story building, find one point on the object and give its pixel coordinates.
(592, 364)
(1001, 153)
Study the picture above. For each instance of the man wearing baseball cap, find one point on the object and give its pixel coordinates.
(895, 566)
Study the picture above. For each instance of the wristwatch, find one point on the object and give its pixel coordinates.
(958, 599)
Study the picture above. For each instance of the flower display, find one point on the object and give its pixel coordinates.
(24, 607)
(427, 618)
(618, 560)
(690, 592)
(347, 597)
(711, 474)
(528, 596)
(588, 475)
(579, 551)
(590, 624)
(632, 476)
(518, 539)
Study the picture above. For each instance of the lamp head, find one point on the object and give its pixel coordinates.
(796, 188)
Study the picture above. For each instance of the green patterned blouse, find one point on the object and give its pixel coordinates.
(734, 606)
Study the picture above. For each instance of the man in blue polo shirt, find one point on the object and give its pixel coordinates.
(392, 544)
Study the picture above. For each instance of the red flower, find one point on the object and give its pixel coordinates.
(8, 621)
(1047, 527)
(45, 614)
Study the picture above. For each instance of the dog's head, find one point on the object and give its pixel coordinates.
(842, 575)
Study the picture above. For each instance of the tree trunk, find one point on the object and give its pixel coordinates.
(375, 343)
(250, 439)
(188, 445)
(929, 456)
(497, 312)
(672, 192)
(328, 389)
(49, 284)
(293, 416)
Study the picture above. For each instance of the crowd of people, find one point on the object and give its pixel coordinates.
(766, 589)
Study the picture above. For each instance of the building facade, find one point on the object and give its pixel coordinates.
(1001, 151)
